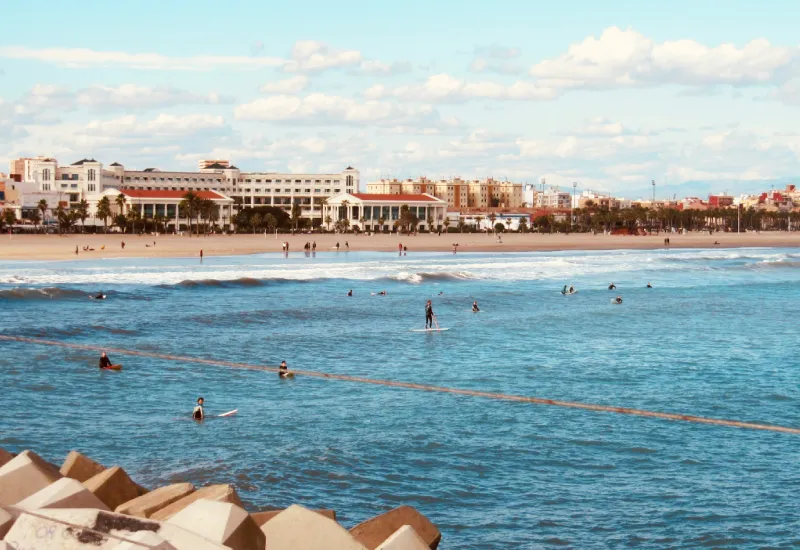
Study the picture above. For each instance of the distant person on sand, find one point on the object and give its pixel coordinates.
(429, 314)
(475, 307)
(76, 249)
(337, 247)
(123, 245)
(347, 245)
(105, 361)
(314, 246)
(198, 413)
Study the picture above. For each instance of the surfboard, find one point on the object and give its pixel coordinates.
(113, 367)
(569, 293)
(616, 302)
(429, 329)
(229, 413)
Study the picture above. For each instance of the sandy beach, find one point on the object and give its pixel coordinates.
(62, 247)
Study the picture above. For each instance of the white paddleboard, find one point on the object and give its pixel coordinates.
(229, 413)
(569, 293)
(429, 329)
(616, 302)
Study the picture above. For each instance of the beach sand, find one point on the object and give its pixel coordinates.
(62, 247)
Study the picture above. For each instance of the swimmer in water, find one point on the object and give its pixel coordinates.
(618, 299)
(198, 413)
(649, 285)
(350, 292)
(283, 370)
(475, 307)
(612, 286)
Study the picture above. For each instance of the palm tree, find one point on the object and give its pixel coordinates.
(381, 221)
(104, 211)
(255, 222)
(270, 221)
(120, 200)
(328, 222)
(121, 221)
(36, 218)
(60, 213)
(83, 212)
(43, 207)
(295, 214)
(189, 206)
(430, 221)
(446, 224)
(133, 216)
(508, 223)
(208, 210)
(478, 220)
(9, 217)
(523, 224)
(492, 219)
(362, 220)
(460, 225)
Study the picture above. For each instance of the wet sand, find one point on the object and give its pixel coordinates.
(62, 247)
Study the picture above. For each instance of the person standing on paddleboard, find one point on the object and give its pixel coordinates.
(198, 413)
(105, 362)
(429, 314)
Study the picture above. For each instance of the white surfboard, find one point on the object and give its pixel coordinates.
(229, 413)
(429, 329)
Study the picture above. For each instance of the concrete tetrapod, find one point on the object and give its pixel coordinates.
(263, 517)
(80, 467)
(157, 499)
(113, 487)
(221, 522)
(35, 533)
(6, 521)
(24, 475)
(147, 538)
(299, 528)
(404, 538)
(220, 493)
(373, 532)
(5, 457)
(64, 493)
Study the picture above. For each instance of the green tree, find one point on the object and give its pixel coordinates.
(133, 216)
(104, 212)
(446, 223)
(60, 214)
(9, 217)
(478, 220)
(189, 206)
(271, 222)
(42, 206)
(120, 200)
(36, 218)
(296, 212)
(381, 221)
(492, 219)
(255, 222)
(328, 221)
(121, 221)
(523, 224)
(83, 212)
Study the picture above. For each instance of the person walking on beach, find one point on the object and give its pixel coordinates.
(76, 249)
(347, 245)
(201, 253)
(198, 413)
(337, 247)
(314, 246)
(123, 245)
(105, 361)
(429, 314)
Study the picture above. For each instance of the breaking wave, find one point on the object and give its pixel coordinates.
(48, 293)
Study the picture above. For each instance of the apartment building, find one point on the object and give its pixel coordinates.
(553, 198)
(458, 193)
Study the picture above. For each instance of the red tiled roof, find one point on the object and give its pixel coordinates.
(167, 194)
(390, 197)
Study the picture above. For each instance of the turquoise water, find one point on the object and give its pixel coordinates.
(716, 336)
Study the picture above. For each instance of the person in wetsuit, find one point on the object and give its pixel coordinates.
(649, 285)
(564, 290)
(429, 314)
(350, 292)
(612, 286)
(100, 296)
(198, 413)
(283, 370)
(618, 299)
(105, 362)
(475, 307)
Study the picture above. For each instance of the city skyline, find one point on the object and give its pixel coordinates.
(611, 97)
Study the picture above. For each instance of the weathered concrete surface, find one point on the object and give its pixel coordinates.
(5, 457)
(373, 532)
(6, 521)
(24, 475)
(37, 533)
(404, 538)
(153, 542)
(221, 522)
(157, 499)
(219, 493)
(80, 467)
(263, 517)
(64, 493)
(299, 528)
(113, 487)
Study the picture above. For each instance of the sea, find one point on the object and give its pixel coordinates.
(715, 336)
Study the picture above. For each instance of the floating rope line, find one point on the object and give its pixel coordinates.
(422, 387)
(81, 529)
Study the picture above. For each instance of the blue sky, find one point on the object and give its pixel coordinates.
(608, 94)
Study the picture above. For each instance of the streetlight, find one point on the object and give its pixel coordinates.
(654, 192)
(574, 190)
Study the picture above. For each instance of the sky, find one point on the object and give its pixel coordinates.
(700, 95)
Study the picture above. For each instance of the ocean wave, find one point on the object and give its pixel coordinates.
(210, 283)
(48, 293)
(416, 278)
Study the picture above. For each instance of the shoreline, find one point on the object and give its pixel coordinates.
(62, 247)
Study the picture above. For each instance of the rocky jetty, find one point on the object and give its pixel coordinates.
(83, 505)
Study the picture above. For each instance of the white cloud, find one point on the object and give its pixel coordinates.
(621, 58)
(287, 86)
(131, 96)
(313, 57)
(85, 58)
(444, 88)
(324, 109)
(496, 59)
(163, 125)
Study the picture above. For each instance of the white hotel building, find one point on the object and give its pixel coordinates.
(87, 179)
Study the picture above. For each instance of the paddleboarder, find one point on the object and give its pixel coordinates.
(429, 314)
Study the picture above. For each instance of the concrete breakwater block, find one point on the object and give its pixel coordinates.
(6, 521)
(5, 457)
(299, 528)
(219, 493)
(24, 475)
(263, 517)
(404, 538)
(145, 539)
(221, 522)
(373, 532)
(64, 493)
(157, 499)
(90, 529)
(113, 487)
(80, 467)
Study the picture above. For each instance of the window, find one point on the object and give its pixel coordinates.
(327, 181)
(297, 181)
(296, 190)
(277, 181)
(337, 190)
(92, 175)
(92, 188)
(46, 174)
(258, 181)
(317, 190)
(308, 181)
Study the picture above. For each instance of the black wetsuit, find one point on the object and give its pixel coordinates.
(198, 413)
(105, 362)
(428, 316)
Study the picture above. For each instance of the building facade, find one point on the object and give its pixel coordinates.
(553, 199)
(458, 193)
(379, 212)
